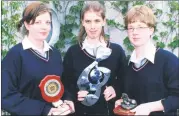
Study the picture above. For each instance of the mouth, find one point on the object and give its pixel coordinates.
(43, 33)
(136, 38)
(93, 32)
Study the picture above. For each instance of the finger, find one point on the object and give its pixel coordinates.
(71, 105)
(59, 111)
(65, 112)
(110, 97)
(116, 105)
(118, 102)
(81, 98)
(82, 93)
(107, 96)
(58, 103)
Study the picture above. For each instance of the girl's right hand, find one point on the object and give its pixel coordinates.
(82, 94)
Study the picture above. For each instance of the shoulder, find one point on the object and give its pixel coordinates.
(74, 48)
(167, 55)
(13, 55)
(55, 50)
(15, 50)
(115, 46)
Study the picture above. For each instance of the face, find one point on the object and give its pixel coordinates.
(41, 27)
(93, 23)
(139, 33)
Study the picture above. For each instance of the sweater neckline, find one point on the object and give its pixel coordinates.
(89, 55)
(142, 66)
(40, 56)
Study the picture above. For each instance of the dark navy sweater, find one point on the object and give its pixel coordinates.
(76, 60)
(22, 71)
(155, 81)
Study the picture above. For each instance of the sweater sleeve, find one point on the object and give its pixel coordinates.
(120, 74)
(67, 77)
(117, 83)
(12, 100)
(171, 80)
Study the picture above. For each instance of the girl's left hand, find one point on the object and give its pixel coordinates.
(142, 109)
(109, 93)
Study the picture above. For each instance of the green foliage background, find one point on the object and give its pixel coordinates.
(72, 22)
(12, 10)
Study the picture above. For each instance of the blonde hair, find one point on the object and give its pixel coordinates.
(91, 6)
(140, 13)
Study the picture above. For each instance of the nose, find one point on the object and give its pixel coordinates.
(134, 30)
(45, 26)
(92, 25)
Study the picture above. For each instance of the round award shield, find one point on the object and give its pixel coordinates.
(51, 88)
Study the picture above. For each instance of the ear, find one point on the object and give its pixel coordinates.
(151, 30)
(26, 25)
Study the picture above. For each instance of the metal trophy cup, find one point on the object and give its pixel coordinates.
(51, 88)
(125, 107)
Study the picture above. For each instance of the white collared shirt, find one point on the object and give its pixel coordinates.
(149, 54)
(27, 44)
(90, 48)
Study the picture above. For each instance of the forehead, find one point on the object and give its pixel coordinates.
(43, 16)
(92, 15)
(137, 23)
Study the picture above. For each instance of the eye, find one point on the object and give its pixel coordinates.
(37, 22)
(48, 22)
(87, 21)
(97, 21)
(130, 28)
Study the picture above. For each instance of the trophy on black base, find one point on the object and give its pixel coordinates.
(125, 107)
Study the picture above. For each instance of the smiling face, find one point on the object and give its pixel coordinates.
(40, 28)
(93, 23)
(139, 33)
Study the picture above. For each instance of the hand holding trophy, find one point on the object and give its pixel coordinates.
(126, 104)
(52, 90)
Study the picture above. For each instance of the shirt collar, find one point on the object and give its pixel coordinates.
(28, 44)
(85, 44)
(149, 54)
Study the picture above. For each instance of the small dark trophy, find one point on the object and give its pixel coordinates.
(125, 107)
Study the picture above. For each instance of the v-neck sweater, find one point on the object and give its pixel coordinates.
(22, 71)
(76, 60)
(153, 82)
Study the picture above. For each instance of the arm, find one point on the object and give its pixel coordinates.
(117, 83)
(171, 80)
(12, 100)
(67, 77)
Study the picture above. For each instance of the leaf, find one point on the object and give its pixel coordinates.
(161, 44)
(155, 37)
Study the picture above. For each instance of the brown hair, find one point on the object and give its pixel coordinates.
(91, 6)
(140, 13)
(31, 12)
